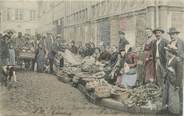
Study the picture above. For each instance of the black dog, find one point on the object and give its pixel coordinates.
(7, 73)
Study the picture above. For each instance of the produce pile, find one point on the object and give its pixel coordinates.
(143, 95)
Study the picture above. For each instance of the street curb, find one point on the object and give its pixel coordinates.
(112, 104)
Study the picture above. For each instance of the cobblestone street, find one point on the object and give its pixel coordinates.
(42, 94)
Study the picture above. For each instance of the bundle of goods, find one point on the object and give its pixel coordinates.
(71, 70)
(60, 73)
(100, 87)
(62, 76)
(90, 65)
(102, 91)
(143, 95)
(70, 58)
(92, 84)
(119, 94)
(99, 74)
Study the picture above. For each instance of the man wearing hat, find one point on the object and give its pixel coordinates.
(122, 41)
(160, 55)
(160, 59)
(177, 44)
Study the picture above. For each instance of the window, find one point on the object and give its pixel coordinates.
(28, 31)
(19, 14)
(32, 15)
(8, 14)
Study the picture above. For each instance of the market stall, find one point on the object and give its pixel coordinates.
(88, 77)
(26, 58)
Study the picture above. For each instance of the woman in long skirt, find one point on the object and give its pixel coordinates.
(149, 65)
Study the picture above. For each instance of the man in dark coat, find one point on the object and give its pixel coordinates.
(105, 55)
(88, 50)
(122, 41)
(179, 47)
(160, 56)
(73, 48)
(51, 57)
(160, 59)
(5, 50)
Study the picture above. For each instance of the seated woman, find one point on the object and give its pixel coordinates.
(128, 75)
(115, 72)
(96, 53)
(105, 56)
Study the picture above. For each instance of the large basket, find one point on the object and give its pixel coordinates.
(102, 91)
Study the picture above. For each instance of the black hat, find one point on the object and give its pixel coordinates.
(121, 32)
(158, 29)
(173, 30)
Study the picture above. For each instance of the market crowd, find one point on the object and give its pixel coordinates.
(163, 58)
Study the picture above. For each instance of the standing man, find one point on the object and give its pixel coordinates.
(20, 42)
(179, 47)
(160, 60)
(5, 50)
(49, 42)
(40, 56)
(122, 41)
(160, 56)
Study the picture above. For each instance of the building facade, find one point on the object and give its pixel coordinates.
(19, 15)
(99, 21)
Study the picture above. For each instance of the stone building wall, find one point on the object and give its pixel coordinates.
(18, 15)
(81, 20)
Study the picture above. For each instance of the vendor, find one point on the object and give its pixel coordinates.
(115, 74)
(128, 77)
(88, 50)
(73, 48)
(105, 55)
(96, 53)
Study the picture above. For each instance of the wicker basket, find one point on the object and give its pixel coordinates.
(102, 91)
